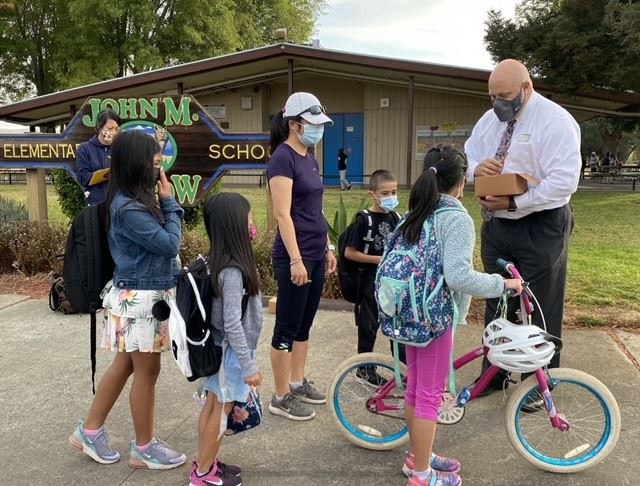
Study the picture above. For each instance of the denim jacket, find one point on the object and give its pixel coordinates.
(144, 251)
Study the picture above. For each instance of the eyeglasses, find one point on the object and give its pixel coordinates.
(314, 110)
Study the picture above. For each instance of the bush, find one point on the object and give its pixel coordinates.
(31, 247)
(70, 194)
(193, 244)
(11, 210)
(262, 253)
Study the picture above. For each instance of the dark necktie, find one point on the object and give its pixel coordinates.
(505, 141)
(501, 154)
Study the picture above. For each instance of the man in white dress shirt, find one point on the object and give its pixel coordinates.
(527, 133)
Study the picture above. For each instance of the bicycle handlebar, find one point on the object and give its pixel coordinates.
(511, 269)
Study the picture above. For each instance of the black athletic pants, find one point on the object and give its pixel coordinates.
(537, 245)
(366, 314)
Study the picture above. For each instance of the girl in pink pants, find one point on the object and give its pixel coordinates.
(428, 367)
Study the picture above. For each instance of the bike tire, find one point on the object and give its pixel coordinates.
(585, 402)
(347, 398)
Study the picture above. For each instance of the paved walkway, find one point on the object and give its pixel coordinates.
(45, 387)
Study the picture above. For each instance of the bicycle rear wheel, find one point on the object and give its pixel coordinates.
(359, 416)
(584, 402)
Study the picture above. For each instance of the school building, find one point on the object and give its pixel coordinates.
(386, 111)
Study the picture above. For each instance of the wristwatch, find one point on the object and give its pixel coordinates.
(512, 205)
(331, 247)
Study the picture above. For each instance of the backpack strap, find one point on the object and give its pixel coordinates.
(368, 236)
(92, 334)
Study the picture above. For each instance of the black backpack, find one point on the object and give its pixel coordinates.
(88, 267)
(58, 300)
(349, 271)
(194, 299)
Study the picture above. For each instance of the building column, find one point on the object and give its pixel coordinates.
(409, 131)
(37, 195)
(290, 75)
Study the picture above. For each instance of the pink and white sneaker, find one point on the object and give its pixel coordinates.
(438, 463)
(215, 477)
(436, 478)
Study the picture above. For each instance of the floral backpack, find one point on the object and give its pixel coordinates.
(414, 303)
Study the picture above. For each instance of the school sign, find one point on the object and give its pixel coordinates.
(196, 152)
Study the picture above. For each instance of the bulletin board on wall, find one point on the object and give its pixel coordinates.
(443, 133)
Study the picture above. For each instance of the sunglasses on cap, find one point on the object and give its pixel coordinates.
(314, 110)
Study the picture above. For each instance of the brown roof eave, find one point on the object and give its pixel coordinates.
(13, 111)
(163, 74)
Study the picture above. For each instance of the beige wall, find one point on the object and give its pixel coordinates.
(240, 121)
(386, 128)
(385, 132)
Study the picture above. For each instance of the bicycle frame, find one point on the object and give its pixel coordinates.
(379, 402)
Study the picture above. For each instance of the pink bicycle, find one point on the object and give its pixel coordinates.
(561, 420)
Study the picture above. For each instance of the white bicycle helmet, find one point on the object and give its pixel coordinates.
(517, 348)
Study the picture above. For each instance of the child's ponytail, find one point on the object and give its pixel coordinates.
(444, 168)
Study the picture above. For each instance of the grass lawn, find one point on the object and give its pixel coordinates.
(604, 260)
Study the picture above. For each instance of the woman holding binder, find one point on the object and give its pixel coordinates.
(94, 156)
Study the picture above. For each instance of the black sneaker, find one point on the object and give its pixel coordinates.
(370, 376)
(495, 385)
(533, 403)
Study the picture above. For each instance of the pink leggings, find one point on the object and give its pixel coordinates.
(427, 372)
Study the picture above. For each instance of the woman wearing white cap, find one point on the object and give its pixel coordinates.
(302, 252)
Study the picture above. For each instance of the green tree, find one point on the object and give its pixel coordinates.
(48, 45)
(577, 46)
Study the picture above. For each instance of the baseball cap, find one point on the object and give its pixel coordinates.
(307, 106)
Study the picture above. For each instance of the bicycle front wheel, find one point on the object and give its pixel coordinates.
(370, 415)
(581, 400)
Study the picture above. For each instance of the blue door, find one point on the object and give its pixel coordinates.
(347, 132)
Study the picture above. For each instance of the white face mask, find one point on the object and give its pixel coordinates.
(389, 203)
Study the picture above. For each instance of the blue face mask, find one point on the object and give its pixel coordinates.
(388, 203)
(312, 135)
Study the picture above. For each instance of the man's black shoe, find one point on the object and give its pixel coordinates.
(494, 386)
(533, 403)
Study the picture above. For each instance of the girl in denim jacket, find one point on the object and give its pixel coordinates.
(144, 238)
(229, 224)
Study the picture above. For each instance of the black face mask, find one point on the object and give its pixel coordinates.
(506, 110)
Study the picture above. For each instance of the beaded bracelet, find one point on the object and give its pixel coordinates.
(293, 262)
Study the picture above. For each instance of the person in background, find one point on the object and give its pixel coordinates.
(144, 233)
(527, 133)
(302, 252)
(342, 168)
(230, 227)
(95, 154)
(593, 163)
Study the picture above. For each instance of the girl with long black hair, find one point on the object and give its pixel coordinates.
(144, 232)
(229, 225)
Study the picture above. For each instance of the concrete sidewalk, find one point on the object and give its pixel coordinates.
(45, 388)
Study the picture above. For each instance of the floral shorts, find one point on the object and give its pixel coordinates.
(128, 324)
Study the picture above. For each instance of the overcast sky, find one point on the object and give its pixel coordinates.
(438, 31)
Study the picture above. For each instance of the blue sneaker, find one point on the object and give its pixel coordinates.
(157, 456)
(97, 448)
